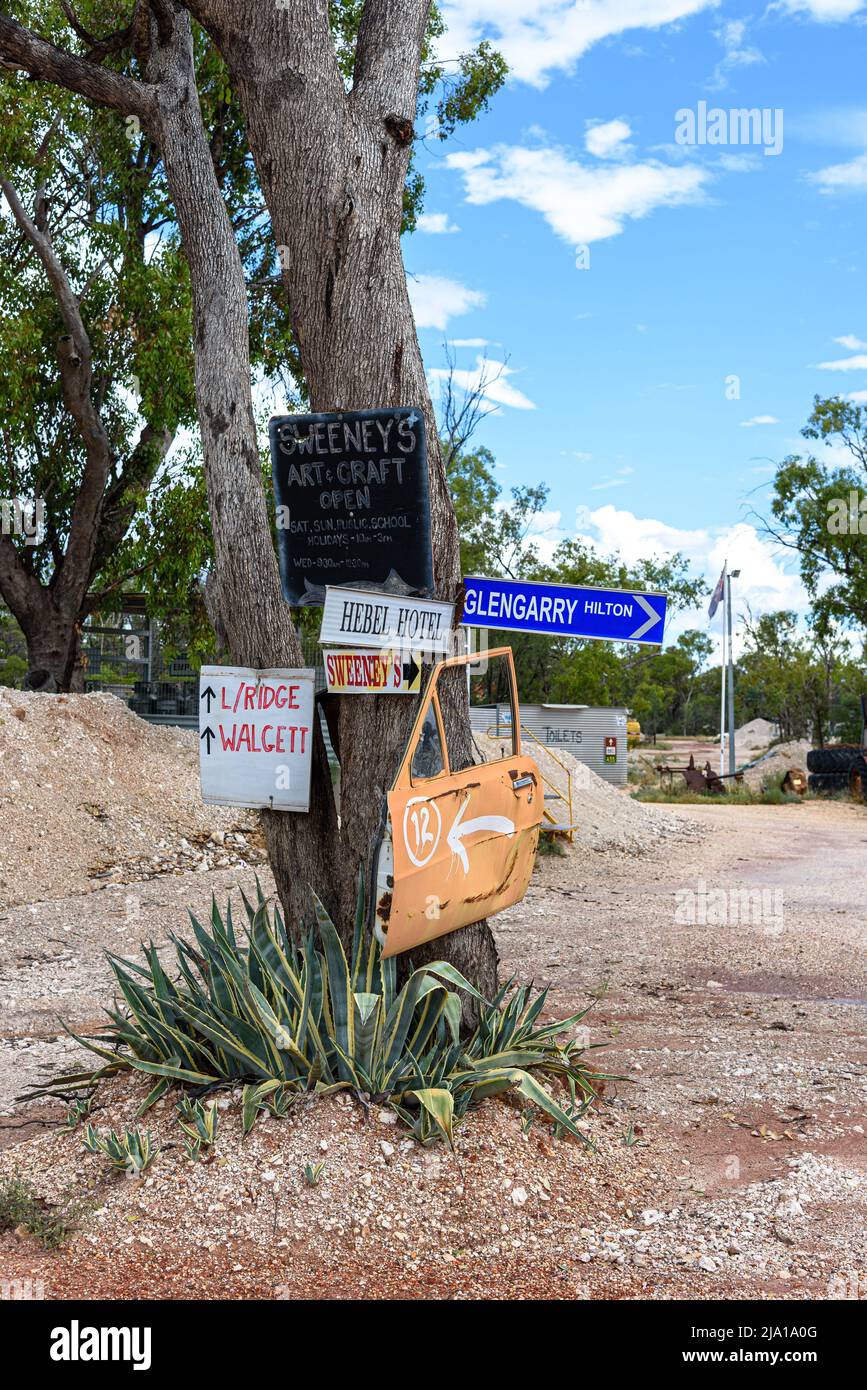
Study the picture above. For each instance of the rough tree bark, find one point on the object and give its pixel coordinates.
(333, 167)
(245, 590)
(332, 164)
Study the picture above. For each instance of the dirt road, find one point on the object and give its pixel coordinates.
(741, 1018)
(731, 1164)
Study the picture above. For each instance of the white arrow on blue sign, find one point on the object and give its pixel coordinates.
(561, 610)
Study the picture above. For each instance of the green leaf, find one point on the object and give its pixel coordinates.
(440, 1105)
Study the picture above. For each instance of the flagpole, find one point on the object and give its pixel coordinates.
(722, 710)
(731, 676)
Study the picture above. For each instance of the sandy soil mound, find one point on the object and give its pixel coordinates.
(755, 736)
(381, 1199)
(90, 793)
(607, 817)
(508, 1214)
(774, 767)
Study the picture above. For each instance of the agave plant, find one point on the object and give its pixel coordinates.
(79, 1110)
(131, 1152)
(199, 1124)
(283, 1018)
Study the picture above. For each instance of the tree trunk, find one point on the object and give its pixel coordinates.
(53, 644)
(245, 589)
(333, 168)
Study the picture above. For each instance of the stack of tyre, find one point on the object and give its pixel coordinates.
(839, 769)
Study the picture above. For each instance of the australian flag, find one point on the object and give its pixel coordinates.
(716, 596)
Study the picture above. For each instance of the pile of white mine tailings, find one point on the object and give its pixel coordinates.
(90, 793)
(774, 767)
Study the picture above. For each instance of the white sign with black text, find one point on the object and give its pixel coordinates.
(371, 618)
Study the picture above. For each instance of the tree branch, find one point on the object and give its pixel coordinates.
(20, 589)
(20, 48)
(63, 292)
(388, 55)
(123, 497)
(74, 355)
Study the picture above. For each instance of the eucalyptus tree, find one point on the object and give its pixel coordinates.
(329, 96)
(819, 510)
(95, 334)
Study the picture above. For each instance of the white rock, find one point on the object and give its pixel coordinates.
(518, 1196)
(789, 1206)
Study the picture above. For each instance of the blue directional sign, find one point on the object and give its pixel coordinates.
(515, 605)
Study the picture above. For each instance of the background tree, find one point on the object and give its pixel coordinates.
(819, 511)
(95, 323)
(809, 687)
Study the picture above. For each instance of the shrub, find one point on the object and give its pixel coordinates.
(20, 1205)
(79, 1110)
(287, 1018)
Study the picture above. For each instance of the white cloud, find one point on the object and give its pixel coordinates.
(436, 299)
(469, 343)
(846, 364)
(825, 11)
(436, 223)
(619, 479)
(857, 397)
(581, 203)
(845, 126)
(850, 342)
(767, 581)
(759, 420)
(488, 377)
(739, 163)
(850, 177)
(550, 35)
(738, 53)
(607, 139)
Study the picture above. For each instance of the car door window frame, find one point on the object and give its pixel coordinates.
(431, 698)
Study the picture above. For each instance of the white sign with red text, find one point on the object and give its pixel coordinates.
(256, 737)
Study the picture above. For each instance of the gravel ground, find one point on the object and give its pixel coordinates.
(731, 1164)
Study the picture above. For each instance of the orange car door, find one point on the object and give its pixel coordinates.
(462, 843)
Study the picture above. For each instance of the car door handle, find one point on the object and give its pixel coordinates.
(522, 782)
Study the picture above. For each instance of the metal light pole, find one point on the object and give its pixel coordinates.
(733, 574)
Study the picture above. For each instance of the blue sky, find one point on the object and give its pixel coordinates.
(706, 262)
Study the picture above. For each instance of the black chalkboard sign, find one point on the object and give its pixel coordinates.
(352, 502)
